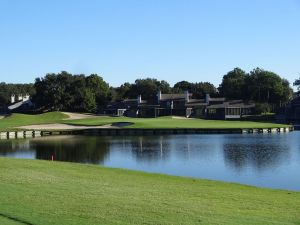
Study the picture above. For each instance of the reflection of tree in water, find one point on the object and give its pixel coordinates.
(150, 148)
(14, 146)
(86, 149)
(259, 155)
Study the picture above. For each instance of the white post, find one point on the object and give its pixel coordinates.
(187, 96)
(207, 98)
(12, 99)
(139, 99)
(158, 96)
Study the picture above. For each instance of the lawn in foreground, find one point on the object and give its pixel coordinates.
(169, 122)
(43, 192)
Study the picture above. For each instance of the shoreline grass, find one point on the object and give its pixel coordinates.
(44, 192)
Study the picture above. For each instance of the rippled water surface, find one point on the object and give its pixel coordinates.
(267, 160)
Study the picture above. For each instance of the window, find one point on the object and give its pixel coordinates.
(233, 111)
(212, 111)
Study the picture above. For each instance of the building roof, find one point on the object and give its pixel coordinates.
(165, 97)
(217, 99)
(230, 105)
(190, 104)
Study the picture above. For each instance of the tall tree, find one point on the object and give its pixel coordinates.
(297, 84)
(122, 92)
(100, 88)
(200, 89)
(267, 86)
(148, 88)
(233, 84)
(182, 86)
(64, 91)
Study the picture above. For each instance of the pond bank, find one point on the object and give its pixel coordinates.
(115, 130)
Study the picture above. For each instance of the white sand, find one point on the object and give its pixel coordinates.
(58, 126)
(78, 116)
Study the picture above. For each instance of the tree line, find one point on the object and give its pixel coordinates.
(69, 92)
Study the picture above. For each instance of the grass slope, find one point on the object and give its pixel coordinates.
(169, 122)
(17, 119)
(41, 192)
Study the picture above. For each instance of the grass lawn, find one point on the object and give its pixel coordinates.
(17, 119)
(44, 192)
(169, 122)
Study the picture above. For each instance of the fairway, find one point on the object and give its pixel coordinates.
(41, 192)
(16, 120)
(174, 122)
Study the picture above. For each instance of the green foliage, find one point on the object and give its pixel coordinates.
(263, 108)
(99, 87)
(259, 85)
(45, 192)
(148, 88)
(297, 84)
(121, 92)
(266, 86)
(197, 89)
(68, 92)
(233, 84)
(89, 101)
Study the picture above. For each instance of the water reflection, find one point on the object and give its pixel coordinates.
(256, 154)
(265, 160)
(62, 148)
(150, 149)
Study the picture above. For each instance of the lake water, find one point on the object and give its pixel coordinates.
(266, 160)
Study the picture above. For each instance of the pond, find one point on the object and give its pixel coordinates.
(265, 160)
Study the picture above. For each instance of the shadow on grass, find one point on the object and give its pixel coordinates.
(114, 124)
(15, 219)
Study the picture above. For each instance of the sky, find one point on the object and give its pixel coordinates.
(172, 40)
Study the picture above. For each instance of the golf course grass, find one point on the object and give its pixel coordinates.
(45, 192)
(17, 120)
(171, 122)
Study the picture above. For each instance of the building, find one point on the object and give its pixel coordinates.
(182, 105)
(20, 103)
(127, 107)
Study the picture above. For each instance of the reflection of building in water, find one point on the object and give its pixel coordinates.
(150, 148)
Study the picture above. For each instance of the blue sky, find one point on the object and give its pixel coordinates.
(174, 40)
